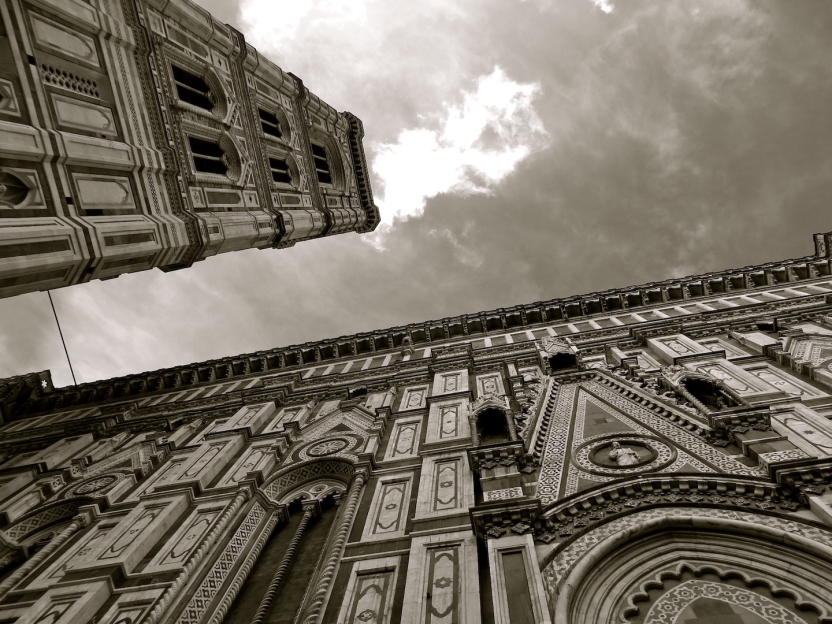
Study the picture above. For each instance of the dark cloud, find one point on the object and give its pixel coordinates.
(684, 137)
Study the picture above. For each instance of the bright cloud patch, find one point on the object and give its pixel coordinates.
(271, 22)
(476, 145)
(604, 5)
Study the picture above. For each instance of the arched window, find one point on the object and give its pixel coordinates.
(492, 427)
(193, 89)
(281, 172)
(270, 123)
(208, 156)
(322, 167)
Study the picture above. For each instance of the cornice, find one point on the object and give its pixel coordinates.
(481, 324)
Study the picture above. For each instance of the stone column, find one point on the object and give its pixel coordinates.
(78, 522)
(199, 554)
(694, 401)
(310, 509)
(325, 580)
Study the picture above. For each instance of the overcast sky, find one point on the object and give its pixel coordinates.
(520, 151)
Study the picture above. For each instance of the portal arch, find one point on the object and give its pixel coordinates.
(650, 568)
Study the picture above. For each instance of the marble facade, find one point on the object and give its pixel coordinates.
(654, 454)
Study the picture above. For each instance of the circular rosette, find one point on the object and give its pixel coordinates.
(618, 455)
(93, 487)
(339, 445)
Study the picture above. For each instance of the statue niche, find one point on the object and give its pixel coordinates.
(492, 427)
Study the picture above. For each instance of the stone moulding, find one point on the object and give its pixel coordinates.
(523, 316)
(565, 574)
(563, 522)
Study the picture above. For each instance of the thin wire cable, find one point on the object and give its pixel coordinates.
(63, 342)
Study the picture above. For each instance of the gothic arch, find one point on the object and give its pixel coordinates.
(316, 490)
(637, 562)
(288, 479)
(491, 421)
(45, 516)
(705, 392)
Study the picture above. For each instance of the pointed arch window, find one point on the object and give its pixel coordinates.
(209, 157)
(492, 427)
(193, 89)
(281, 172)
(322, 168)
(270, 123)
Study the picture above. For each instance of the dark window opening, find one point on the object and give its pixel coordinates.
(208, 156)
(492, 427)
(321, 164)
(280, 170)
(562, 360)
(709, 394)
(270, 123)
(192, 89)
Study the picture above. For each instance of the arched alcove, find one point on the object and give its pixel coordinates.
(560, 361)
(492, 427)
(653, 569)
(310, 486)
(709, 393)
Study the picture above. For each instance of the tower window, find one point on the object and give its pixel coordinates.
(270, 123)
(192, 88)
(208, 156)
(321, 164)
(280, 170)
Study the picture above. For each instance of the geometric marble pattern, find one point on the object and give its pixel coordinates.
(679, 606)
(564, 434)
(306, 472)
(212, 583)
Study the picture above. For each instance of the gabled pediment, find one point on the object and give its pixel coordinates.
(814, 349)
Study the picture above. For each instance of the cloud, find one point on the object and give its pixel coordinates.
(463, 254)
(278, 21)
(604, 5)
(475, 146)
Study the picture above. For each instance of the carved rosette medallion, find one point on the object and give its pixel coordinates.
(94, 486)
(327, 447)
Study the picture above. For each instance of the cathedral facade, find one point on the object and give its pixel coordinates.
(144, 133)
(655, 454)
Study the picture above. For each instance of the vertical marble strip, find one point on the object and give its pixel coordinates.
(389, 517)
(443, 585)
(371, 596)
(405, 439)
(179, 551)
(449, 422)
(446, 488)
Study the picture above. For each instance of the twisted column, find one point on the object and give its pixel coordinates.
(328, 572)
(277, 579)
(694, 401)
(199, 554)
(78, 522)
